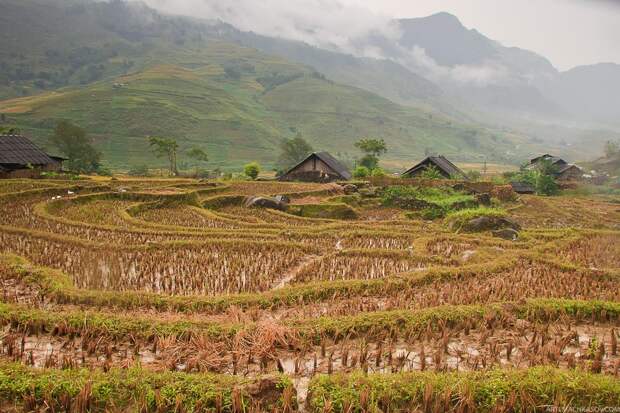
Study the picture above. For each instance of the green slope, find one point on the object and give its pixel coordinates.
(124, 72)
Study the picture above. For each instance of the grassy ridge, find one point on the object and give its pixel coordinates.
(135, 389)
(488, 391)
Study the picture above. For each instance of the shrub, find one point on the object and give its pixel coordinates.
(458, 218)
(546, 185)
(377, 172)
(474, 175)
(103, 171)
(361, 172)
(138, 170)
(252, 170)
(431, 172)
(504, 193)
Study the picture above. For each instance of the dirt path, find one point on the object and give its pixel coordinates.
(291, 274)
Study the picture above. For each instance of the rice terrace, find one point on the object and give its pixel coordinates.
(309, 206)
(157, 295)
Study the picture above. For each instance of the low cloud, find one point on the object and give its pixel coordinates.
(327, 24)
(332, 25)
(480, 74)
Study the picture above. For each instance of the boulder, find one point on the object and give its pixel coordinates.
(484, 199)
(264, 202)
(283, 199)
(507, 234)
(489, 223)
(325, 211)
(369, 192)
(349, 189)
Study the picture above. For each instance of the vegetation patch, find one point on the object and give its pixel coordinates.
(506, 390)
(429, 203)
(324, 211)
(136, 389)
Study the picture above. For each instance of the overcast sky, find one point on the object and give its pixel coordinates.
(567, 32)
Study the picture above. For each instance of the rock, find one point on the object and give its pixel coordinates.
(325, 211)
(264, 202)
(484, 199)
(283, 199)
(350, 189)
(413, 204)
(489, 223)
(459, 187)
(507, 234)
(369, 192)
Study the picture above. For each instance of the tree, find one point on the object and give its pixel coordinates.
(164, 147)
(294, 151)
(546, 185)
(198, 155)
(545, 178)
(71, 141)
(361, 172)
(138, 170)
(612, 148)
(252, 170)
(373, 149)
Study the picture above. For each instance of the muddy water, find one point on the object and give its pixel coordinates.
(521, 346)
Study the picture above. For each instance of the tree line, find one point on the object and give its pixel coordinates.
(82, 156)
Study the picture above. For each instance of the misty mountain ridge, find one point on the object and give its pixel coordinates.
(206, 79)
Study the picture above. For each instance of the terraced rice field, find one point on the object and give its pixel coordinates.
(170, 295)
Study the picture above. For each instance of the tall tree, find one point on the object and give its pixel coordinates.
(612, 148)
(72, 141)
(373, 149)
(198, 155)
(165, 147)
(293, 151)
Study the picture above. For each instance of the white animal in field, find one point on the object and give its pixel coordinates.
(70, 193)
(339, 245)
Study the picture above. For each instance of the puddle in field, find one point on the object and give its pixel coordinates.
(521, 345)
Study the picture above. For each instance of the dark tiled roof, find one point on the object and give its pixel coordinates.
(440, 162)
(550, 158)
(330, 161)
(19, 150)
(567, 167)
(334, 163)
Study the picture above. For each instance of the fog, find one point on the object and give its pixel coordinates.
(568, 32)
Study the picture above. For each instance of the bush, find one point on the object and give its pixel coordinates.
(377, 172)
(361, 172)
(252, 170)
(138, 170)
(103, 171)
(458, 218)
(546, 185)
(431, 172)
(474, 175)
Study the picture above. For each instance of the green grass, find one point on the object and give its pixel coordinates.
(487, 391)
(132, 389)
(457, 218)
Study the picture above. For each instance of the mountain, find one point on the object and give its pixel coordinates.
(592, 91)
(124, 72)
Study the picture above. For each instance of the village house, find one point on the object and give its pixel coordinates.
(446, 168)
(20, 158)
(563, 170)
(318, 167)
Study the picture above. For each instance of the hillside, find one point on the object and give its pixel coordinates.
(172, 76)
